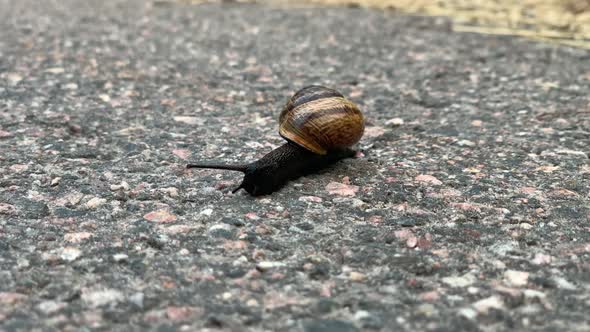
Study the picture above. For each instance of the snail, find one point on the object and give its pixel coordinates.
(320, 126)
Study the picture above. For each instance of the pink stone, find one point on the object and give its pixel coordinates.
(341, 189)
(160, 216)
(182, 153)
(429, 179)
(77, 237)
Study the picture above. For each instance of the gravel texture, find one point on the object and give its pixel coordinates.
(467, 209)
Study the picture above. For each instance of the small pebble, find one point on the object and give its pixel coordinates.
(562, 283)
(171, 191)
(123, 186)
(516, 278)
(95, 202)
(252, 303)
(542, 259)
(395, 122)
(160, 216)
(503, 248)
(221, 230)
(460, 281)
(77, 237)
(412, 241)
(374, 131)
(183, 313)
(55, 181)
(483, 306)
(191, 120)
(368, 320)
(104, 97)
(182, 153)
(120, 258)
(341, 189)
(428, 179)
(328, 325)
(100, 297)
(137, 299)
(70, 254)
(7, 209)
(14, 78)
(267, 265)
(426, 309)
(50, 307)
(468, 313)
(357, 276)
(55, 70)
(534, 294)
(465, 142)
(313, 199)
(206, 212)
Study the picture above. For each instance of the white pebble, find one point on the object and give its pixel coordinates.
(95, 202)
(460, 281)
(120, 257)
(465, 142)
(70, 254)
(97, 298)
(395, 122)
(267, 265)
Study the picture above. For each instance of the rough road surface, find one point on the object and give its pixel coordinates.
(468, 209)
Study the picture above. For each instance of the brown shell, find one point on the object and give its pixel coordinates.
(321, 119)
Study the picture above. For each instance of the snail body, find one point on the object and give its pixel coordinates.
(320, 127)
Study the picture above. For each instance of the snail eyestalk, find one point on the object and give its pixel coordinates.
(238, 168)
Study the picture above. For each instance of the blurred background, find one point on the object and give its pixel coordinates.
(559, 21)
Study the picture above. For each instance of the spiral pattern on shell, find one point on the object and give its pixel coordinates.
(320, 119)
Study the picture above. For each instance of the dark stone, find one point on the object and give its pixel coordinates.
(573, 213)
(328, 325)
(532, 239)
(371, 321)
(325, 305)
(305, 226)
(117, 316)
(543, 281)
(167, 327)
(4, 245)
(222, 233)
(215, 322)
(34, 210)
(430, 101)
(233, 221)
(252, 319)
(62, 212)
(154, 243)
(82, 153)
(234, 271)
(320, 270)
(132, 207)
(407, 222)
(17, 324)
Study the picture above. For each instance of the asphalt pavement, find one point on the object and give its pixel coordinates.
(466, 209)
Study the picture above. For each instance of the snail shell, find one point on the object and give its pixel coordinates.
(320, 119)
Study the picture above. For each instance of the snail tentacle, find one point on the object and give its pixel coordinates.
(229, 167)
